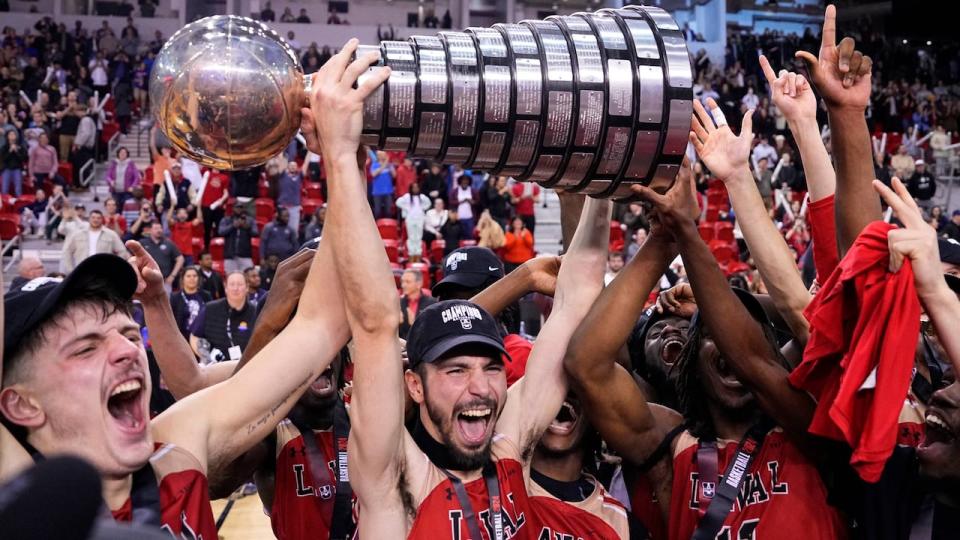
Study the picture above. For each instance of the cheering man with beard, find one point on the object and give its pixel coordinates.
(461, 473)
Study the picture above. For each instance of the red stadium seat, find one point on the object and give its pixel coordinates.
(66, 171)
(707, 232)
(468, 243)
(216, 248)
(255, 249)
(9, 226)
(197, 247)
(148, 175)
(24, 200)
(309, 207)
(218, 268)
(109, 128)
(737, 267)
(397, 273)
(389, 229)
(723, 252)
(262, 222)
(436, 250)
(724, 230)
(393, 252)
(265, 208)
(147, 190)
(228, 206)
(313, 190)
(616, 235)
(712, 215)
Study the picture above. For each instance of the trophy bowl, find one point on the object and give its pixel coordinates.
(227, 91)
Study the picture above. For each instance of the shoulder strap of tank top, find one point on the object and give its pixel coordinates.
(725, 492)
(662, 448)
(493, 492)
(145, 497)
(343, 525)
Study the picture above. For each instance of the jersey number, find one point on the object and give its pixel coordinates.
(748, 531)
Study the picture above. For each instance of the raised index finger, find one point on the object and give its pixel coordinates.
(829, 36)
(767, 69)
(908, 216)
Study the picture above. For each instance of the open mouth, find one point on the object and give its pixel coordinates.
(323, 384)
(727, 376)
(670, 352)
(937, 431)
(474, 423)
(125, 405)
(565, 421)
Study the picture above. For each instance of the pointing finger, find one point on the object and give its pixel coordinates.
(829, 36)
(767, 69)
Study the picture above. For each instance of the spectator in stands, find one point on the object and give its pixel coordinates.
(289, 188)
(54, 210)
(434, 220)
(489, 232)
(30, 268)
(160, 154)
(938, 143)
(43, 163)
(226, 323)
(99, 69)
(287, 16)
(278, 238)
(268, 270)
(303, 17)
(412, 299)
(922, 185)
(13, 159)
(210, 280)
(750, 101)
(903, 163)
(143, 221)
(462, 199)
(237, 229)
(267, 14)
(938, 219)
(140, 96)
(85, 143)
(633, 219)
(614, 265)
(386, 35)
(435, 182)
(447, 20)
(165, 252)
(69, 124)
(33, 217)
(764, 150)
(406, 176)
(333, 17)
(786, 174)
(73, 219)
(212, 202)
(181, 233)
(122, 176)
(413, 209)
(244, 187)
(524, 195)
(113, 220)
(256, 293)
(94, 239)
(518, 246)
(325, 54)
(765, 181)
(183, 196)
(189, 300)
(292, 40)
(452, 232)
(382, 172)
(498, 200)
(639, 237)
(315, 228)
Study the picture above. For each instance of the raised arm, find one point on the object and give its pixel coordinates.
(740, 339)
(613, 402)
(263, 392)
(727, 157)
(373, 309)
(536, 275)
(533, 401)
(842, 76)
(917, 241)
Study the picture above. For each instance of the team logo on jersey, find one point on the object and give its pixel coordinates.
(325, 491)
(709, 489)
(455, 259)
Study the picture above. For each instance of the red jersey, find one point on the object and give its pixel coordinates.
(644, 505)
(781, 492)
(184, 500)
(181, 234)
(116, 219)
(598, 517)
(440, 516)
(216, 186)
(524, 205)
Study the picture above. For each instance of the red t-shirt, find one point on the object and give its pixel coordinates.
(116, 219)
(781, 494)
(519, 350)
(524, 206)
(440, 516)
(181, 234)
(405, 177)
(184, 499)
(302, 509)
(863, 317)
(217, 184)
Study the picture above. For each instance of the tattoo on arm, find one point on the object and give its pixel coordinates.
(253, 426)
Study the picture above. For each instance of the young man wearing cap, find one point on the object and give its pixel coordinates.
(922, 184)
(461, 472)
(76, 380)
(952, 229)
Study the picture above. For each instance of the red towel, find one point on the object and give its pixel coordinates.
(864, 319)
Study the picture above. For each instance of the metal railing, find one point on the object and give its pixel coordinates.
(8, 249)
(113, 144)
(86, 173)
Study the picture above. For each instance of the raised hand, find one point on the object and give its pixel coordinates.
(336, 106)
(678, 300)
(676, 208)
(149, 277)
(543, 273)
(841, 73)
(721, 151)
(916, 241)
(791, 93)
(285, 292)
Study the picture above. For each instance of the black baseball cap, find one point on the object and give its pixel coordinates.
(953, 282)
(468, 268)
(445, 325)
(30, 306)
(949, 251)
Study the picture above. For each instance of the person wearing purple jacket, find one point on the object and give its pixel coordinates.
(122, 176)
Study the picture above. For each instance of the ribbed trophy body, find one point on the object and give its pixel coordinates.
(591, 102)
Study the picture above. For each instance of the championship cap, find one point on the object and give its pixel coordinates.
(949, 251)
(30, 306)
(468, 268)
(445, 325)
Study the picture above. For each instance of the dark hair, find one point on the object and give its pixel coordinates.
(92, 212)
(690, 395)
(124, 148)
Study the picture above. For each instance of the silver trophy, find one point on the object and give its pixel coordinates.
(591, 102)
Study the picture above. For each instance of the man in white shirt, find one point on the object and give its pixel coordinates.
(750, 101)
(89, 241)
(98, 74)
(764, 151)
